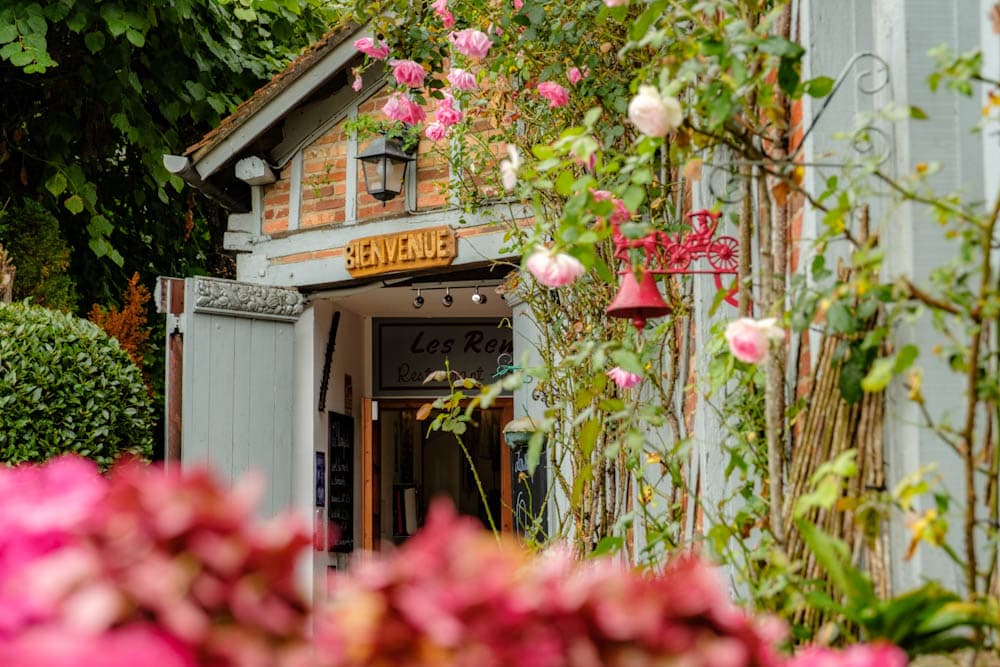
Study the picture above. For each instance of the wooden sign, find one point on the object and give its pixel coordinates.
(402, 251)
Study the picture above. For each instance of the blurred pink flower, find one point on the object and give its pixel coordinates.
(518, 4)
(133, 644)
(357, 83)
(615, 3)
(399, 107)
(575, 75)
(623, 378)
(408, 73)
(441, 9)
(621, 214)
(553, 269)
(750, 340)
(436, 131)
(453, 593)
(653, 114)
(857, 655)
(461, 79)
(367, 46)
(554, 93)
(447, 114)
(472, 43)
(509, 167)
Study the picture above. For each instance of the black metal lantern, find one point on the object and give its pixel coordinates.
(384, 165)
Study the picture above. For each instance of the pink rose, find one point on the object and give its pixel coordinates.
(447, 114)
(461, 79)
(408, 73)
(621, 214)
(750, 340)
(472, 43)
(436, 131)
(576, 75)
(553, 269)
(623, 378)
(615, 3)
(518, 4)
(402, 108)
(654, 115)
(554, 93)
(441, 9)
(367, 46)
(356, 85)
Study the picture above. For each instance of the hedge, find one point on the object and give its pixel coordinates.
(66, 386)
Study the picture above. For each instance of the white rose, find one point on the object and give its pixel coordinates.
(653, 115)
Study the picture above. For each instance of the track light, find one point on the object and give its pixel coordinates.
(419, 301)
(478, 298)
(447, 300)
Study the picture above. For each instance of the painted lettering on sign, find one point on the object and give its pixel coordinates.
(408, 351)
(417, 249)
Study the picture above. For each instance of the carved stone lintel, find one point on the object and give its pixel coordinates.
(228, 297)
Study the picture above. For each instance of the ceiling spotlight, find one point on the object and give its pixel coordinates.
(447, 300)
(478, 298)
(419, 301)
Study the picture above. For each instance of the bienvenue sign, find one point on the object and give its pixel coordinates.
(407, 351)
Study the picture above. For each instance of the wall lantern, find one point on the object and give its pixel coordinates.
(517, 432)
(384, 165)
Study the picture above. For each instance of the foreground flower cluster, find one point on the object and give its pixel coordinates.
(143, 567)
(451, 597)
(147, 567)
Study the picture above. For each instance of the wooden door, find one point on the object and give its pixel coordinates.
(371, 477)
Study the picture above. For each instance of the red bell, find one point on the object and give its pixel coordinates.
(638, 301)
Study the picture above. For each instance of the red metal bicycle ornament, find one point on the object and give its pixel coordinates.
(671, 253)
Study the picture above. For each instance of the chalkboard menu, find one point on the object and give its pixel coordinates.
(530, 514)
(341, 482)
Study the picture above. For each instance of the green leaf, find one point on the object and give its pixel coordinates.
(8, 33)
(818, 87)
(136, 37)
(74, 204)
(608, 545)
(628, 360)
(94, 41)
(879, 376)
(56, 184)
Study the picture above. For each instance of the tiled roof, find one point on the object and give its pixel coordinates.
(271, 89)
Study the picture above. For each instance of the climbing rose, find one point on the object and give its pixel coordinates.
(653, 115)
(447, 114)
(472, 43)
(356, 85)
(576, 75)
(401, 108)
(441, 9)
(366, 45)
(408, 73)
(436, 131)
(509, 167)
(461, 79)
(623, 378)
(621, 214)
(857, 655)
(554, 93)
(750, 340)
(553, 269)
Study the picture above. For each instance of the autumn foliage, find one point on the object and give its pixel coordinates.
(128, 324)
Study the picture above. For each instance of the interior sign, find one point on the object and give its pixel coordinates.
(415, 249)
(408, 351)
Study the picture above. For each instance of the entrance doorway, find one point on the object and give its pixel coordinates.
(412, 467)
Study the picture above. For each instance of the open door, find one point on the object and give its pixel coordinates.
(371, 477)
(229, 379)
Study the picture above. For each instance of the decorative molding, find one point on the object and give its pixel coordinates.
(236, 299)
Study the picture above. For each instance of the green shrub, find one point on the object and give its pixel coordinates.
(31, 235)
(66, 386)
